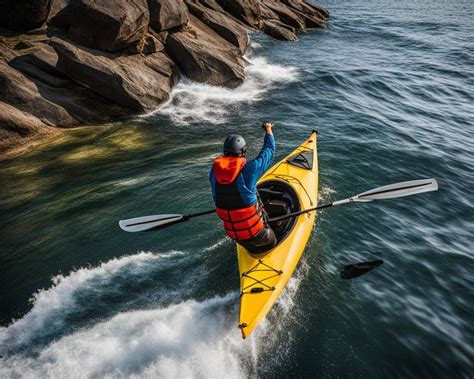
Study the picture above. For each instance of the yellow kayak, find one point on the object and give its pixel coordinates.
(289, 186)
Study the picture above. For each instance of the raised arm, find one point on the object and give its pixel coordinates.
(263, 161)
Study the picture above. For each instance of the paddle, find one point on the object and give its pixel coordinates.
(391, 191)
(149, 223)
(354, 270)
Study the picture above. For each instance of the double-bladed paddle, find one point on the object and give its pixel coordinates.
(413, 187)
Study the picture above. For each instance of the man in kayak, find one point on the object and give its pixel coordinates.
(234, 188)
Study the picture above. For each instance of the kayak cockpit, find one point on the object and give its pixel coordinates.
(279, 199)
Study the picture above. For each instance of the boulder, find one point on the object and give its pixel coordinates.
(247, 11)
(17, 128)
(268, 14)
(206, 57)
(41, 65)
(147, 45)
(317, 8)
(307, 9)
(32, 85)
(137, 82)
(213, 5)
(312, 18)
(167, 14)
(223, 25)
(285, 14)
(279, 31)
(57, 6)
(23, 15)
(108, 25)
(18, 90)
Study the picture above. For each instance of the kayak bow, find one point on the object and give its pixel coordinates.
(289, 186)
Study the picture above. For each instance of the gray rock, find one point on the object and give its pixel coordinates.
(223, 25)
(247, 11)
(23, 15)
(167, 14)
(205, 57)
(136, 82)
(108, 25)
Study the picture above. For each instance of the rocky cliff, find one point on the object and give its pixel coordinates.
(66, 63)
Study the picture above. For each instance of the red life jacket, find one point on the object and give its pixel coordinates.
(241, 221)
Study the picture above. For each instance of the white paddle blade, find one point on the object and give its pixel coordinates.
(147, 223)
(391, 191)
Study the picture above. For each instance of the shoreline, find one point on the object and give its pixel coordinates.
(68, 75)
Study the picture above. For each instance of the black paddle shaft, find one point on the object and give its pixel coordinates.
(187, 217)
(290, 215)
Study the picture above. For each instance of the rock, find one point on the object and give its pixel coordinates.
(212, 4)
(24, 65)
(247, 11)
(323, 12)
(43, 92)
(17, 128)
(226, 27)
(279, 31)
(23, 15)
(108, 25)
(285, 14)
(41, 65)
(57, 6)
(137, 82)
(268, 14)
(306, 8)
(167, 14)
(313, 18)
(147, 45)
(23, 93)
(205, 57)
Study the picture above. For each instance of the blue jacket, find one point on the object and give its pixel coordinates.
(251, 173)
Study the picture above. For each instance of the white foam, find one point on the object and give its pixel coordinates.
(189, 339)
(324, 193)
(192, 102)
(51, 306)
(216, 245)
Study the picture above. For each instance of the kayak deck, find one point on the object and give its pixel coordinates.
(289, 186)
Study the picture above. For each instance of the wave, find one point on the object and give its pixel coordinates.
(52, 306)
(192, 102)
(188, 339)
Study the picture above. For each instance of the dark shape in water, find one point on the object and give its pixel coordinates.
(357, 269)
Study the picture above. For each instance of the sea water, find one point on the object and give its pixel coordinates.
(389, 85)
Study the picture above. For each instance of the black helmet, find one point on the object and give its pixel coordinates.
(234, 145)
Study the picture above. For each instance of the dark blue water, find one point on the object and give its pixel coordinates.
(390, 88)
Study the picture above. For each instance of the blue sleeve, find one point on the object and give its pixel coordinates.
(257, 166)
(212, 180)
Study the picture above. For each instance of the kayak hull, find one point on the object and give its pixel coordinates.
(262, 279)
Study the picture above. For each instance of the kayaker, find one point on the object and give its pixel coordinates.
(234, 188)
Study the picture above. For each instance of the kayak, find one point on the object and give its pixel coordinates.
(289, 186)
